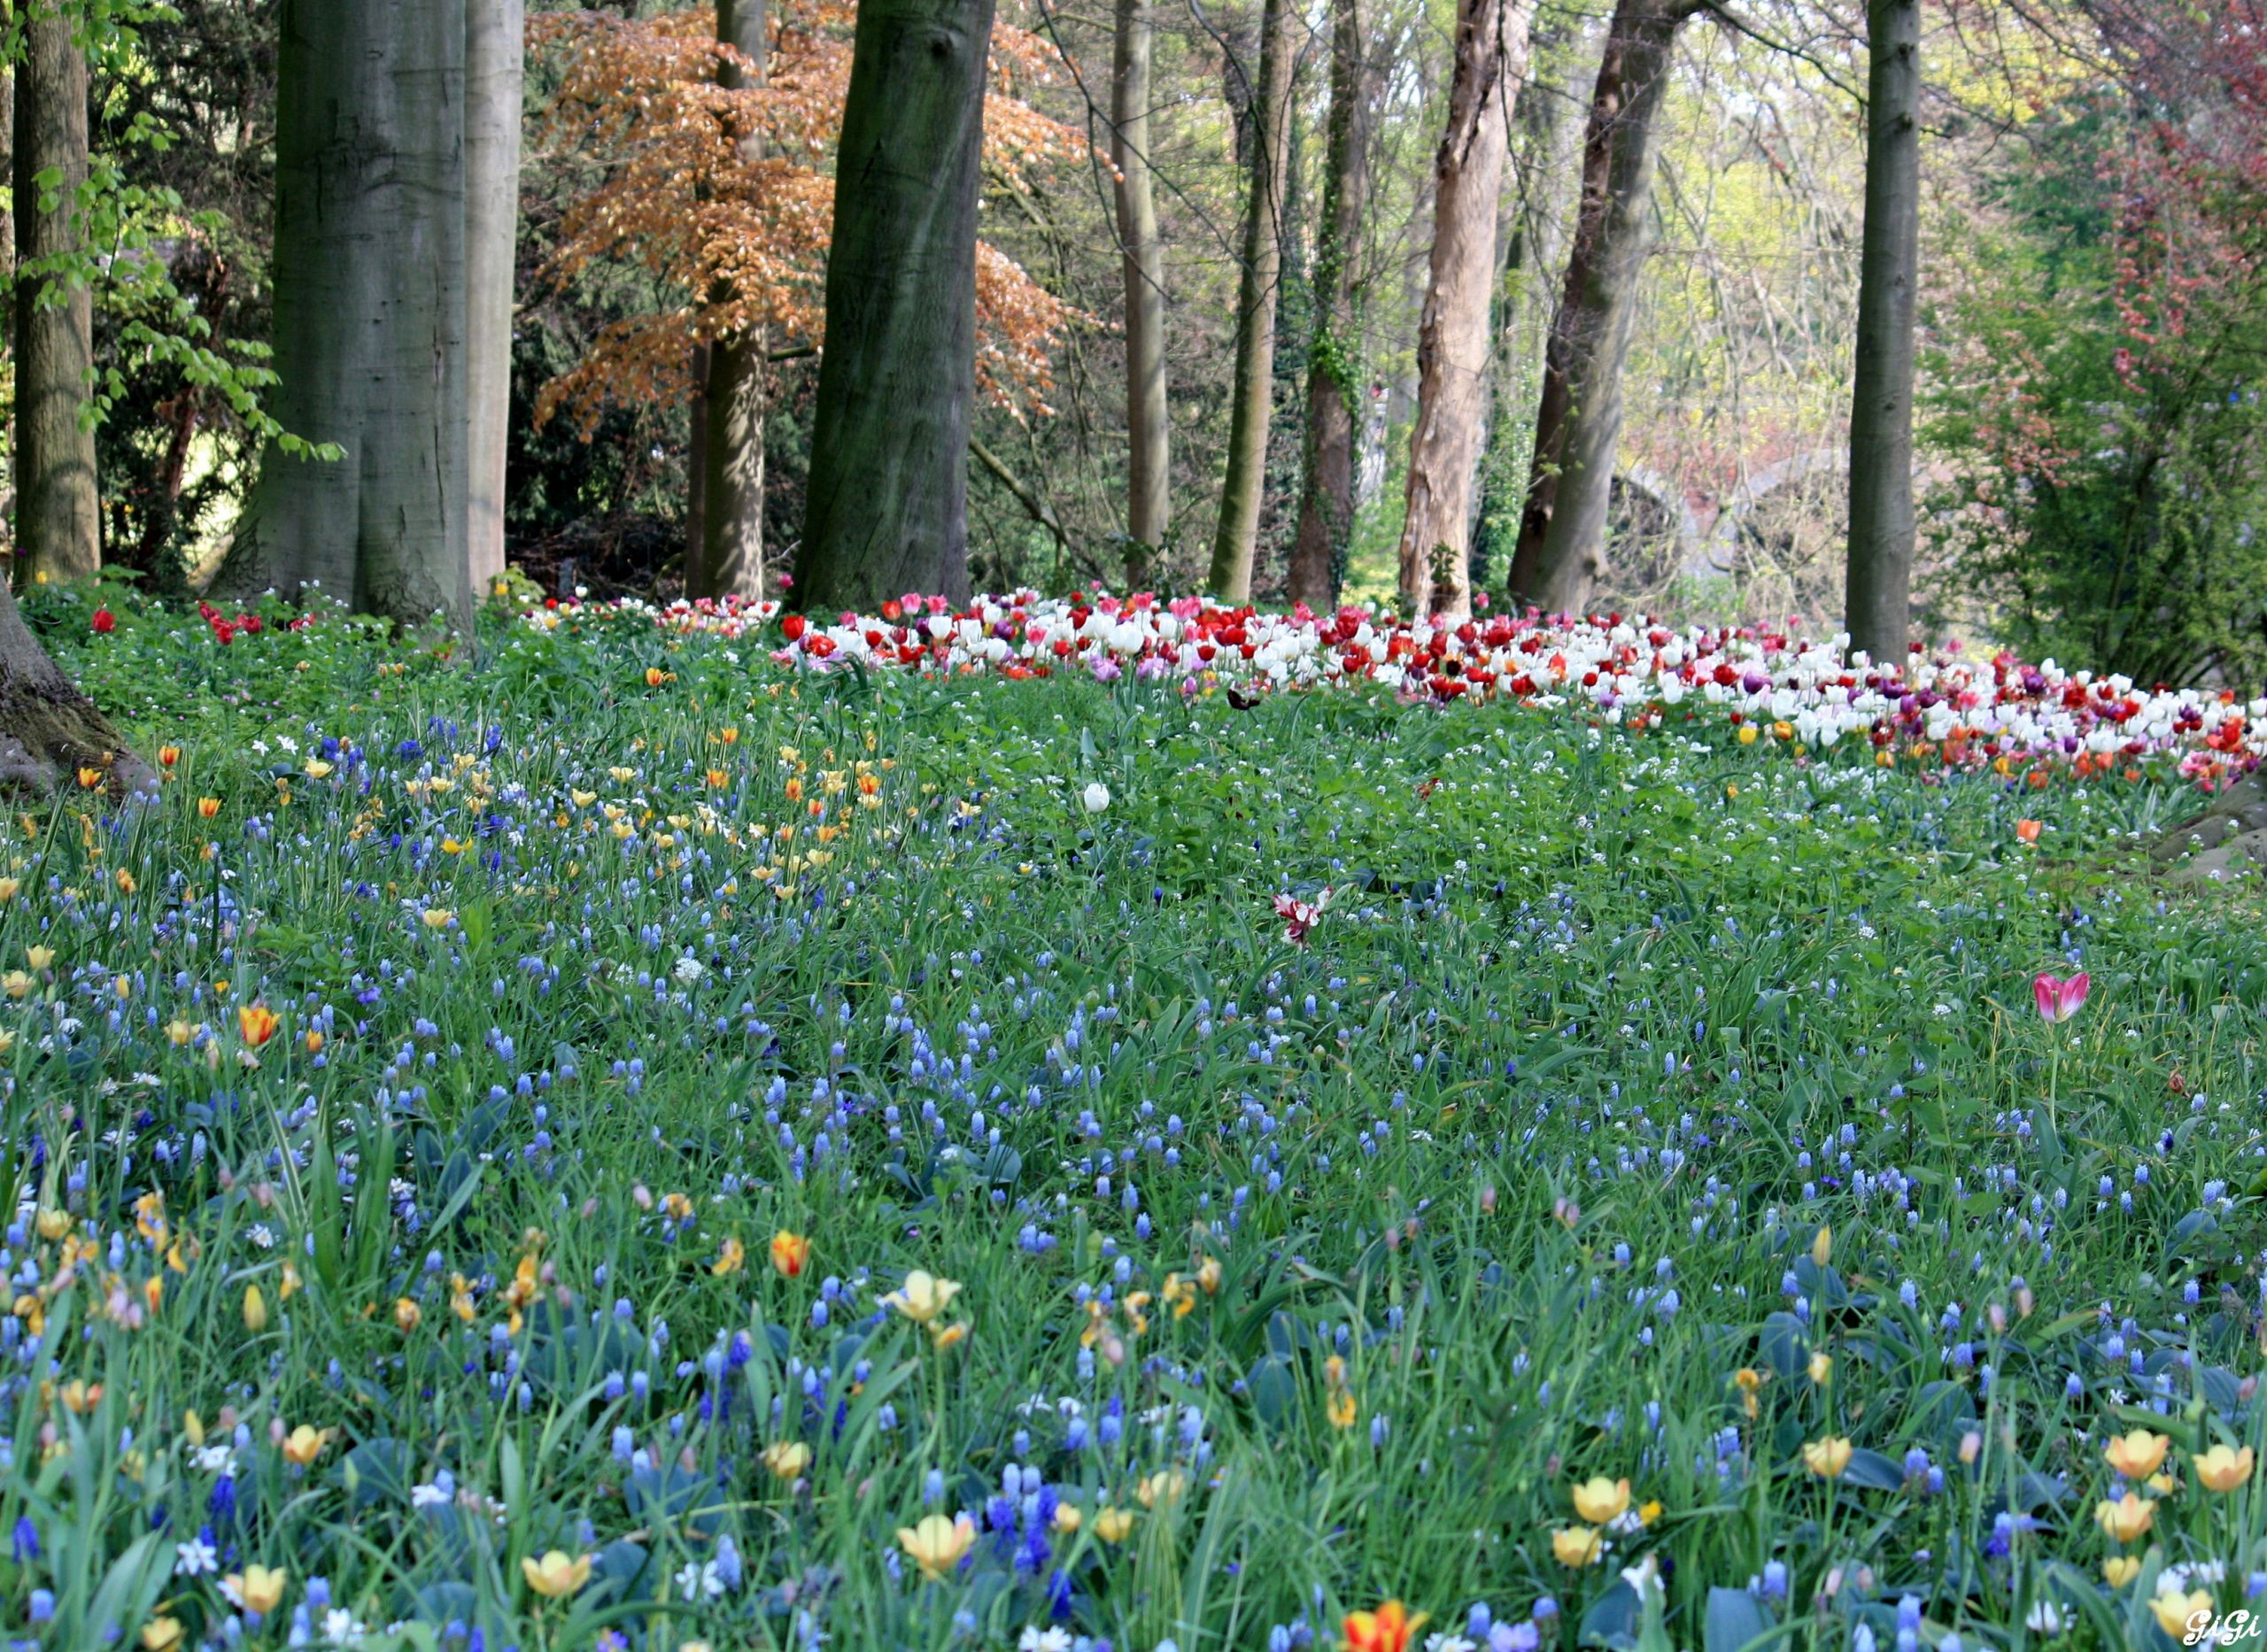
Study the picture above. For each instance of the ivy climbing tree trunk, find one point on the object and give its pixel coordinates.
(1237, 535)
(1491, 54)
(1333, 352)
(58, 524)
(731, 563)
(494, 58)
(889, 492)
(370, 311)
(1561, 552)
(1879, 572)
(1149, 481)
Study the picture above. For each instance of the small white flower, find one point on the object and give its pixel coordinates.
(689, 969)
(1095, 797)
(2045, 1617)
(195, 1558)
(260, 1234)
(215, 1459)
(1450, 1643)
(1037, 1639)
(431, 1494)
(340, 1629)
(698, 1579)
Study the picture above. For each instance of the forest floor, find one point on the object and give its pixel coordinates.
(621, 1142)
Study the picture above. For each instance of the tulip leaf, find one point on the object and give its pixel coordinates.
(1874, 1472)
(1611, 1620)
(1737, 1620)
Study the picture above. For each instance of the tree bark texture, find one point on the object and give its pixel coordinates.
(888, 490)
(51, 733)
(370, 311)
(494, 54)
(1236, 537)
(1333, 352)
(1878, 595)
(1561, 549)
(59, 523)
(1491, 56)
(731, 563)
(1149, 481)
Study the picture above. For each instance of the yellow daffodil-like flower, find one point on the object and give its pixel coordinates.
(2138, 1454)
(2120, 1569)
(408, 1316)
(942, 1336)
(1166, 1485)
(40, 957)
(1112, 1525)
(2127, 1519)
(729, 1256)
(2221, 1470)
(1068, 1518)
(255, 1311)
(937, 1544)
(1829, 1456)
(1600, 1501)
(256, 1588)
(1344, 1412)
(1821, 1247)
(1577, 1546)
(1208, 1275)
(787, 1459)
(556, 1574)
(790, 1252)
(438, 917)
(2176, 1612)
(922, 1296)
(1822, 1369)
(161, 1634)
(16, 983)
(302, 1445)
(53, 1223)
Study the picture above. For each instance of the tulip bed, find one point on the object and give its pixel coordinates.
(631, 1130)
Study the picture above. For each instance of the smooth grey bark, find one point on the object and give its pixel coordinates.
(1561, 552)
(494, 59)
(370, 311)
(59, 522)
(1491, 54)
(889, 492)
(1879, 574)
(732, 386)
(1335, 349)
(1236, 537)
(51, 733)
(1149, 481)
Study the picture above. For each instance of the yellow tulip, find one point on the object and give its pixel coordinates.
(556, 1574)
(1822, 1369)
(1600, 1501)
(2120, 1569)
(2180, 1615)
(2221, 1470)
(1821, 1247)
(937, 1544)
(787, 1458)
(255, 1311)
(1068, 1518)
(1577, 1546)
(2135, 1455)
(2127, 1519)
(257, 1589)
(922, 1296)
(161, 1634)
(1165, 1487)
(1829, 1456)
(1112, 1524)
(302, 1445)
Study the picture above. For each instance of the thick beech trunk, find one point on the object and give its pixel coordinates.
(58, 524)
(1879, 597)
(1237, 535)
(888, 491)
(1491, 54)
(1561, 549)
(370, 311)
(494, 52)
(1149, 481)
(1334, 352)
(730, 539)
(53, 737)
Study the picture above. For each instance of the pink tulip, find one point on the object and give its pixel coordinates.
(2060, 1000)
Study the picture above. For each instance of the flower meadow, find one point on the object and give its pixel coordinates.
(631, 1129)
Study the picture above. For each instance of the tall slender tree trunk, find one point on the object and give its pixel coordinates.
(370, 311)
(731, 563)
(1491, 54)
(1880, 569)
(1236, 536)
(494, 56)
(888, 490)
(1561, 550)
(58, 524)
(1148, 503)
(1335, 351)
(8, 281)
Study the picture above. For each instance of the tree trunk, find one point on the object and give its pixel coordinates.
(731, 563)
(8, 279)
(53, 737)
(370, 311)
(1578, 423)
(1237, 535)
(1334, 352)
(1148, 504)
(888, 490)
(1491, 53)
(58, 524)
(1880, 569)
(494, 51)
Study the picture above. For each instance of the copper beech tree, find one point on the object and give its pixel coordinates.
(713, 179)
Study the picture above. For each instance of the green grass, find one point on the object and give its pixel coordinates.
(1616, 1066)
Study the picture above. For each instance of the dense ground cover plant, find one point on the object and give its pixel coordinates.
(591, 1135)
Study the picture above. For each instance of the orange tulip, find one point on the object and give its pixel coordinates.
(789, 1253)
(2027, 831)
(1389, 1629)
(258, 1024)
